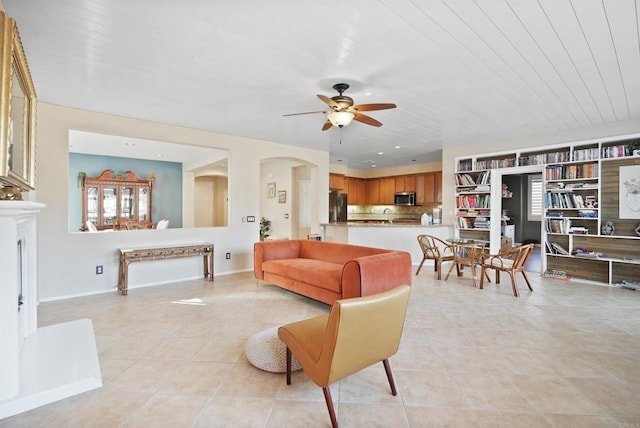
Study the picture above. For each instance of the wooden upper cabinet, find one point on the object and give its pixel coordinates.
(405, 183)
(356, 191)
(336, 182)
(429, 188)
(438, 175)
(387, 190)
(373, 191)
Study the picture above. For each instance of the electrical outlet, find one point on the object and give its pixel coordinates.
(99, 270)
(227, 256)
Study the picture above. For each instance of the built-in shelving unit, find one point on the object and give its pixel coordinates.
(581, 193)
(473, 210)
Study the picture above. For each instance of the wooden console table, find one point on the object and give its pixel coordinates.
(130, 255)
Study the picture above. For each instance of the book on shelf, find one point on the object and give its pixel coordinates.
(588, 213)
(614, 151)
(591, 153)
(555, 248)
(482, 223)
(464, 180)
(561, 225)
(579, 230)
(585, 252)
(465, 223)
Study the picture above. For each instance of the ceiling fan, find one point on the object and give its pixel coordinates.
(343, 111)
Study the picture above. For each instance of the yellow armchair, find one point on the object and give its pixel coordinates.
(355, 334)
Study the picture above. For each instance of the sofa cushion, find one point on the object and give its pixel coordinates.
(334, 252)
(318, 273)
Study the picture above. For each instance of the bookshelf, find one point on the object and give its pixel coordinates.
(581, 193)
(473, 203)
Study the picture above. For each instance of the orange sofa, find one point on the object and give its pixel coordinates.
(328, 271)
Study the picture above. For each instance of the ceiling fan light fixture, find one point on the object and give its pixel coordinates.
(340, 118)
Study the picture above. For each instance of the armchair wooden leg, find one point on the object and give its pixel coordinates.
(332, 413)
(437, 265)
(288, 366)
(526, 278)
(514, 284)
(420, 267)
(449, 272)
(483, 272)
(392, 384)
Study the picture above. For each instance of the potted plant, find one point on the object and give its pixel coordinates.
(265, 228)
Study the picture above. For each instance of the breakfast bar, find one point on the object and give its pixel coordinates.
(391, 236)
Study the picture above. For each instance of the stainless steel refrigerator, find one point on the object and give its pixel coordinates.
(337, 207)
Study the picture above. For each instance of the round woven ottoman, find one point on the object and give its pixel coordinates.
(266, 351)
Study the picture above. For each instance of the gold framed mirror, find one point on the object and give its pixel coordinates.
(17, 111)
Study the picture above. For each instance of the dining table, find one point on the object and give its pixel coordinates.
(467, 252)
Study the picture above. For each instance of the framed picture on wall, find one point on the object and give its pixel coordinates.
(629, 201)
(282, 196)
(271, 190)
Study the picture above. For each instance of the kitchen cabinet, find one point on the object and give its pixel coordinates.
(387, 190)
(438, 175)
(336, 182)
(425, 188)
(356, 190)
(405, 183)
(373, 191)
(381, 190)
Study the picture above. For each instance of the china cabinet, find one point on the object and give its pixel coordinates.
(116, 202)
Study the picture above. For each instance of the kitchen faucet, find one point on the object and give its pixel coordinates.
(389, 215)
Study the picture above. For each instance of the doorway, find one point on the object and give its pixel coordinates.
(522, 210)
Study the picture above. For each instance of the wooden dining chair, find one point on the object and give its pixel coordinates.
(511, 261)
(435, 249)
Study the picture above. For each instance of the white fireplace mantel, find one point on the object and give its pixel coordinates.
(39, 365)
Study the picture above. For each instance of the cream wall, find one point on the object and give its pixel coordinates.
(66, 262)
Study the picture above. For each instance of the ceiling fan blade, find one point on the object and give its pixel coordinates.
(366, 119)
(326, 125)
(308, 112)
(371, 107)
(334, 105)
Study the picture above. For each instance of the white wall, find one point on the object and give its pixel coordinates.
(67, 261)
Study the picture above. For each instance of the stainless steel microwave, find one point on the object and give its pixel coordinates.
(405, 198)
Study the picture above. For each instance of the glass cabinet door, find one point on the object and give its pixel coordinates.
(143, 204)
(92, 205)
(126, 202)
(109, 205)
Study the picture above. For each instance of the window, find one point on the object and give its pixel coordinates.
(534, 204)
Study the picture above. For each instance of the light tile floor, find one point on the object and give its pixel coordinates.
(566, 355)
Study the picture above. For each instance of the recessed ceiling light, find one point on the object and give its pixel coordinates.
(380, 153)
(373, 166)
(397, 147)
(159, 155)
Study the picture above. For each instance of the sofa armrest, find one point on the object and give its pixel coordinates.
(273, 250)
(364, 276)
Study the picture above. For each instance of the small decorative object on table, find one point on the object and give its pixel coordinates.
(608, 228)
